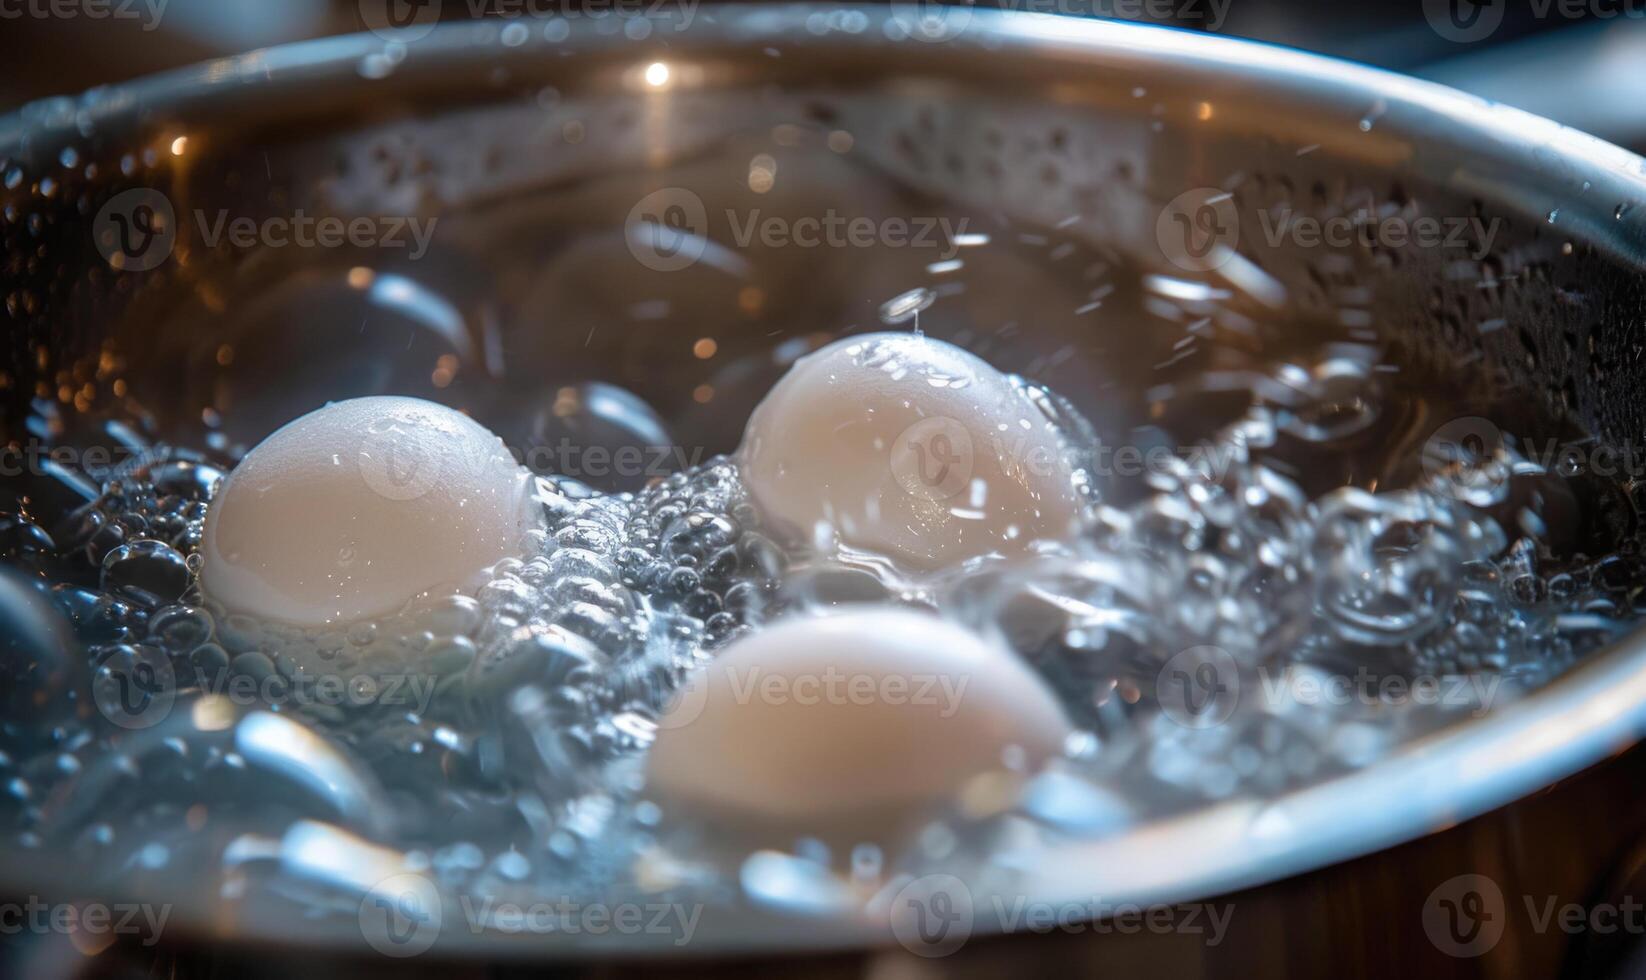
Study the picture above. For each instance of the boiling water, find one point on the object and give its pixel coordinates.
(1293, 560)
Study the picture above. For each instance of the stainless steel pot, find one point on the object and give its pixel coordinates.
(1034, 117)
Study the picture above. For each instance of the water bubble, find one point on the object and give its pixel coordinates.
(39, 672)
(189, 479)
(181, 629)
(1390, 564)
(22, 539)
(150, 573)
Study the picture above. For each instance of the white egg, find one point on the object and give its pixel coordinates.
(856, 722)
(908, 447)
(353, 510)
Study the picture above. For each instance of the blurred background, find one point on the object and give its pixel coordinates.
(1578, 61)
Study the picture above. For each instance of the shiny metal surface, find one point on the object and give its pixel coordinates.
(1079, 72)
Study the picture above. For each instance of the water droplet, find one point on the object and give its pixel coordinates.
(907, 306)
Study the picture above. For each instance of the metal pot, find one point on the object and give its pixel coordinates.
(1033, 117)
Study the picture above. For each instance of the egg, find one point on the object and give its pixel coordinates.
(353, 510)
(856, 723)
(910, 448)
